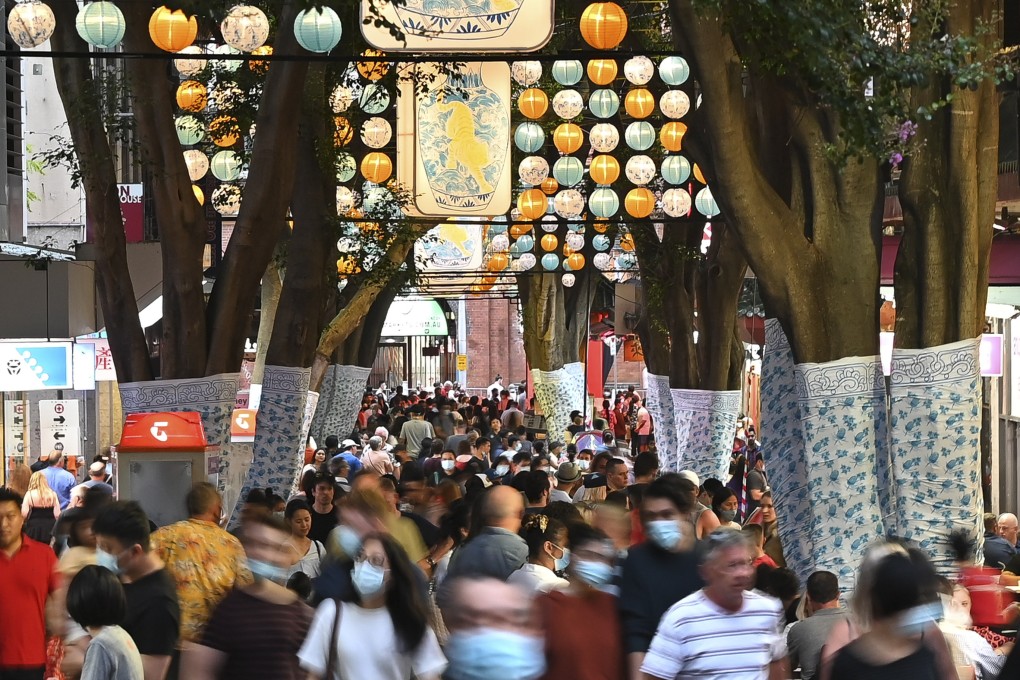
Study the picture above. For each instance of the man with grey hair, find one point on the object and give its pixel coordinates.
(724, 629)
(1008, 528)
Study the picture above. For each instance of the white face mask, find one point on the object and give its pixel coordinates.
(448, 464)
(583, 464)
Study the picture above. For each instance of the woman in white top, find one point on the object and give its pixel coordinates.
(547, 554)
(724, 505)
(96, 601)
(383, 636)
(318, 460)
(305, 553)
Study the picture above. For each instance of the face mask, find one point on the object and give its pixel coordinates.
(562, 562)
(108, 561)
(279, 515)
(501, 470)
(266, 571)
(368, 578)
(665, 533)
(349, 540)
(517, 447)
(583, 465)
(448, 464)
(727, 515)
(914, 621)
(488, 653)
(595, 574)
(524, 468)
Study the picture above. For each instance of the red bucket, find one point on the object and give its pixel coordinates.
(988, 599)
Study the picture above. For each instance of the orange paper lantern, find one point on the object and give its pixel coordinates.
(698, 174)
(225, 131)
(519, 229)
(639, 103)
(627, 243)
(605, 169)
(498, 262)
(373, 70)
(258, 65)
(199, 194)
(602, 71)
(672, 135)
(532, 204)
(376, 167)
(575, 261)
(549, 243)
(347, 265)
(192, 96)
(172, 30)
(344, 131)
(603, 25)
(568, 137)
(640, 202)
(533, 103)
(550, 186)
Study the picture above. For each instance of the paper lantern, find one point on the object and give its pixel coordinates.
(524, 244)
(602, 71)
(101, 24)
(574, 262)
(604, 169)
(375, 99)
(604, 202)
(550, 186)
(376, 167)
(550, 223)
(373, 70)
(227, 199)
(189, 130)
(526, 73)
(226, 65)
(346, 167)
(172, 30)
(341, 99)
(568, 280)
(601, 226)
(549, 243)
(698, 175)
(568, 171)
(627, 243)
(531, 203)
(567, 72)
(640, 169)
(672, 135)
(675, 169)
(226, 166)
(520, 229)
(192, 96)
(639, 202)
(533, 170)
(198, 164)
(705, 203)
(602, 261)
(199, 194)
(260, 66)
(603, 103)
(318, 30)
(574, 241)
(190, 67)
(674, 71)
(601, 242)
(638, 70)
(498, 262)
(344, 131)
(569, 203)
(533, 103)
(675, 104)
(568, 104)
(640, 135)
(345, 202)
(245, 28)
(639, 103)
(224, 131)
(347, 265)
(568, 138)
(31, 23)
(626, 261)
(226, 95)
(604, 137)
(603, 25)
(529, 137)
(550, 261)
(525, 262)
(676, 202)
(376, 132)
(500, 243)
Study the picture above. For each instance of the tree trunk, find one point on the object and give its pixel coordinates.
(720, 279)
(272, 288)
(78, 94)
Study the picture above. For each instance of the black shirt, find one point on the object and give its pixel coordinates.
(1013, 566)
(153, 615)
(322, 524)
(429, 532)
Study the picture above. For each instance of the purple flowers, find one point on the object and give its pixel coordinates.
(896, 159)
(907, 130)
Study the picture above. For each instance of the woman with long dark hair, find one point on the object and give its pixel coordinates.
(385, 633)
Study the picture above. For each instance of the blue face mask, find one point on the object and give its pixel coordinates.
(501, 470)
(562, 562)
(488, 653)
(349, 540)
(727, 515)
(368, 579)
(108, 561)
(664, 533)
(267, 571)
(595, 574)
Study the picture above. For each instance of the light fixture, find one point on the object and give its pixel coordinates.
(245, 28)
(101, 24)
(31, 23)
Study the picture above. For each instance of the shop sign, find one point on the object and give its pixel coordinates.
(59, 428)
(32, 366)
(132, 208)
(414, 317)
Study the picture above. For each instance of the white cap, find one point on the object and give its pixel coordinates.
(690, 475)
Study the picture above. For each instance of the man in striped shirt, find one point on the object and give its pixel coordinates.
(724, 631)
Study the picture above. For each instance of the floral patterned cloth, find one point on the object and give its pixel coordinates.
(559, 392)
(705, 423)
(340, 396)
(659, 403)
(205, 563)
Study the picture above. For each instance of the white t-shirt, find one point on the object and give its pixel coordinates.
(367, 646)
(537, 579)
(698, 639)
(310, 562)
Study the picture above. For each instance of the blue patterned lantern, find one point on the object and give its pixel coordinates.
(604, 202)
(674, 71)
(568, 171)
(529, 137)
(705, 203)
(567, 72)
(640, 135)
(603, 103)
(101, 24)
(318, 30)
(626, 261)
(375, 98)
(498, 225)
(524, 244)
(550, 262)
(601, 242)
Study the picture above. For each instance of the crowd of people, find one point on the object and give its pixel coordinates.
(443, 539)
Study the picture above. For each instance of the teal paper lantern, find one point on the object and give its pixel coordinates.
(568, 171)
(318, 30)
(529, 137)
(498, 225)
(604, 202)
(626, 261)
(346, 168)
(675, 170)
(189, 130)
(640, 135)
(567, 72)
(603, 103)
(226, 166)
(550, 261)
(674, 71)
(601, 242)
(375, 99)
(524, 244)
(101, 24)
(705, 203)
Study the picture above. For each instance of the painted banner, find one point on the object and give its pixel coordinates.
(705, 424)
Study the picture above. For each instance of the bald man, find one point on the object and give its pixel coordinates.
(1008, 528)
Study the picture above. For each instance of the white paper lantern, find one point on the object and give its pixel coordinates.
(227, 65)
(526, 73)
(640, 169)
(568, 104)
(226, 166)
(676, 202)
(569, 280)
(675, 104)
(190, 67)
(533, 170)
(198, 164)
(575, 240)
(638, 70)
(31, 23)
(569, 204)
(346, 244)
(227, 199)
(500, 243)
(602, 261)
(341, 99)
(526, 261)
(550, 224)
(346, 199)
(604, 137)
(245, 28)
(376, 132)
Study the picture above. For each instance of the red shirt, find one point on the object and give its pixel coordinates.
(583, 637)
(26, 580)
(765, 559)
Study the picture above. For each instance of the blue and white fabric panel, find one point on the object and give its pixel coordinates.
(706, 422)
(659, 403)
(559, 392)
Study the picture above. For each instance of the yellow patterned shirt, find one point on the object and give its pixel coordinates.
(205, 563)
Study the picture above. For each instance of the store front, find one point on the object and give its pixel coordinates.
(418, 345)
